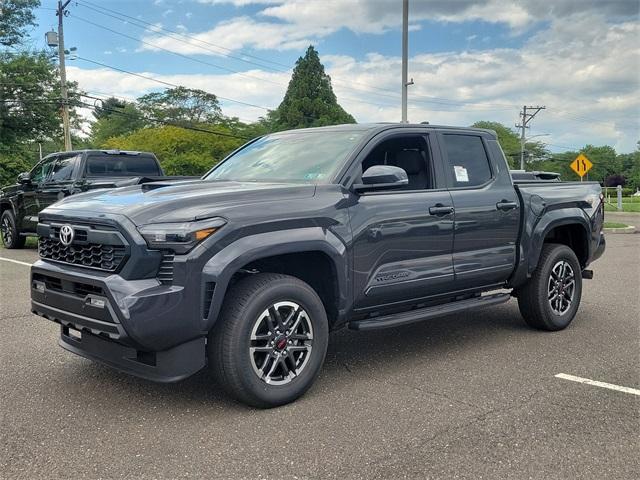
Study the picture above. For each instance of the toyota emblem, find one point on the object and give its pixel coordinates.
(66, 235)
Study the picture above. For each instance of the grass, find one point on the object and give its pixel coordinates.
(630, 207)
(615, 225)
(32, 243)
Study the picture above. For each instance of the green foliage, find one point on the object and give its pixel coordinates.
(510, 143)
(181, 106)
(115, 119)
(15, 17)
(309, 100)
(180, 151)
(29, 110)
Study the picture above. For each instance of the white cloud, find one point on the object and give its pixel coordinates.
(239, 32)
(583, 68)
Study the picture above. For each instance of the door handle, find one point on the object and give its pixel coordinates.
(505, 205)
(441, 210)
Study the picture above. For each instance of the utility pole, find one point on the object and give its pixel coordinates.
(405, 54)
(524, 124)
(63, 76)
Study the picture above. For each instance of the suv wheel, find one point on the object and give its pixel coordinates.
(270, 340)
(550, 300)
(11, 237)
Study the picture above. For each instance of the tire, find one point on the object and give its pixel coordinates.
(544, 302)
(9, 232)
(243, 347)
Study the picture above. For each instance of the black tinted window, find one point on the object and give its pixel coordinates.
(42, 170)
(121, 166)
(468, 164)
(63, 169)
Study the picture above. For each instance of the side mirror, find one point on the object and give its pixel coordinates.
(382, 177)
(24, 178)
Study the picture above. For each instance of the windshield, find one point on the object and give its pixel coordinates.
(311, 157)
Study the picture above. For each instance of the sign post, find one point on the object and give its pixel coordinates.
(581, 165)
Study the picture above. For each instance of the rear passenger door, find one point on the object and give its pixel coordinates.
(486, 210)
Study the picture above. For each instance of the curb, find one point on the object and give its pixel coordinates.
(629, 229)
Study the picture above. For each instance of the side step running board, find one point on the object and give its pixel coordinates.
(404, 318)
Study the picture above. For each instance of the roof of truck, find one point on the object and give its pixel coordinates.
(386, 125)
(107, 151)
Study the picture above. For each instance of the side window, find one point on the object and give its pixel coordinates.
(42, 170)
(468, 164)
(408, 152)
(63, 169)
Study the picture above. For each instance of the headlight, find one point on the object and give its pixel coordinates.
(179, 237)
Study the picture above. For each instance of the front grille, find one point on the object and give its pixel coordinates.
(165, 272)
(92, 255)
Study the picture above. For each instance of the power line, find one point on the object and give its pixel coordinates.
(190, 39)
(159, 120)
(524, 124)
(154, 27)
(163, 82)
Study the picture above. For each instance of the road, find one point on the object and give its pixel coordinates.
(470, 396)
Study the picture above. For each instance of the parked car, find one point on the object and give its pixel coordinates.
(66, 173)
(302, 232)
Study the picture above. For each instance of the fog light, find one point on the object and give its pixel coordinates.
(96, 302)
(39, 286)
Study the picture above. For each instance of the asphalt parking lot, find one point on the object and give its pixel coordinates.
(470, 396)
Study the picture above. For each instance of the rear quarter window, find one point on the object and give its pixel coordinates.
(121, 166)
(467, 163)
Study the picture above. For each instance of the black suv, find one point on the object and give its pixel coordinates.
(301, 232)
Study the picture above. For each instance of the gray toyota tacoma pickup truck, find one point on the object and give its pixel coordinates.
(302, 232)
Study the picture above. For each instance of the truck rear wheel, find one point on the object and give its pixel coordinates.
(270, 341)
(11, 237)
(550, 300)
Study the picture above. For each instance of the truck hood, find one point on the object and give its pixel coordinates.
(162, 202)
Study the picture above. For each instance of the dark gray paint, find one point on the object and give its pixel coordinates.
(388, 250)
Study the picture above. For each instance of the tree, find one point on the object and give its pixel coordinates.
(309, 100)
(181, 105)
(510, 143)
(180, 151)
(29, 109)
(15, 17)
(115, 118)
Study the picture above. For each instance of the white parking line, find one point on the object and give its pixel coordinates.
(595, 383)
(15, 261)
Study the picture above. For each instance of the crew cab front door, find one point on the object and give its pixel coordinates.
(60, 181)
(403, 239)
(32, 191)
(486, 206)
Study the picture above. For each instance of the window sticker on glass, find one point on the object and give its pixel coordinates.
(461, 173)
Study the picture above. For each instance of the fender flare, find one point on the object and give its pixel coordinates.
(549, 221)
(224, 264)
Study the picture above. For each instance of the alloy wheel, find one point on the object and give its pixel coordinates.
(5, 228)
(281, 343)
(561, 287)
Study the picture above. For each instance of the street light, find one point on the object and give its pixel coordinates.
(539, 135)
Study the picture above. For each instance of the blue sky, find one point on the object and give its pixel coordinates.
(470, 59)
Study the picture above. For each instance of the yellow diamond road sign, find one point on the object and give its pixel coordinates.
(581, 165)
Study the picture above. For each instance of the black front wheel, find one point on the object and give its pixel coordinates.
(270, 340)
(9, 232)
(551, 297)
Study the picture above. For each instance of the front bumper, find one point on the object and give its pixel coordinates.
(141, 326)
(169, 365)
